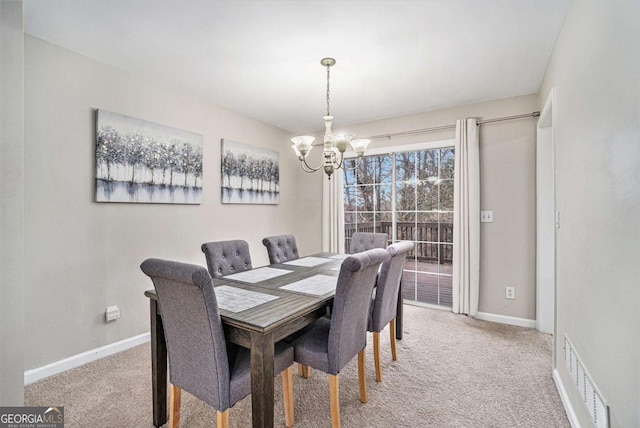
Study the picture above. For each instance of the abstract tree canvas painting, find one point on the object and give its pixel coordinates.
(144, 162)
(250, 175)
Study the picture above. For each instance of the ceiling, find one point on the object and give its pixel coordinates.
(262, 58)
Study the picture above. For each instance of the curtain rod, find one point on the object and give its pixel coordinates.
(441, 128)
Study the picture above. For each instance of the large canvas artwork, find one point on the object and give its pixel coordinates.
(250, 175)
(141, 161)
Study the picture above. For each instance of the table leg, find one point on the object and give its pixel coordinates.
(158, 366)
(399, 315)
(262, 389)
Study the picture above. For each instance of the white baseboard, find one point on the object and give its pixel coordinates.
(503, 319)
(426, 305)
(568, 408)
(78, 360)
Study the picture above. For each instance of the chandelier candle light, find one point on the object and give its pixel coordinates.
(334, 144)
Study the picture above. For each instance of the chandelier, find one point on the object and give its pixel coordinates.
(334, 144)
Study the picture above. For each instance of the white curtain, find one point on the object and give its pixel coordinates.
(466, 219)
(332, 213)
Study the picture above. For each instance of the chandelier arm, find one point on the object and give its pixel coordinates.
(305, 169)
(308, 167)
(341, 160)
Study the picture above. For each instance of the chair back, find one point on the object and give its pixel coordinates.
(350, 314)
(363, 241)
(388, 286)
(193, 330)
(227, 257)
(282, 248)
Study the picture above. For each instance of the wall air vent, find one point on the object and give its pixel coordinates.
(591, 397)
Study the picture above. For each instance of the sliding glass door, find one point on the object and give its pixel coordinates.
(409, 196)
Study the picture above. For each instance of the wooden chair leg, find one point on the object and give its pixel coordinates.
(392, 332)
(287, 388)
(362, 374)
(376, 355)
(174, 406)
(223, 419)
(334, 397)
(306, 372)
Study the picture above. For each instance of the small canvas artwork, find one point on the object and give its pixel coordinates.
(144, 162)
(250, 175)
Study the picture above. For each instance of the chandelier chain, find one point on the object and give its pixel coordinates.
(328, 75)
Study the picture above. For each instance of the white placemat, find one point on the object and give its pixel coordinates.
(234, 299)
(256, 275)
(340, 256)
(308, 261)
(317, 285)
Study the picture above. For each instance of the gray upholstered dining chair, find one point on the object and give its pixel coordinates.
(363, 241)
(328, 345)
(384, 305)
(281, 248)
(227, 257)
(200, 360)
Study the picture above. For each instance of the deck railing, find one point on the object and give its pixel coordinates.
(428, 244)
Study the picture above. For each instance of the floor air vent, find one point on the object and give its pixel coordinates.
(592, 399)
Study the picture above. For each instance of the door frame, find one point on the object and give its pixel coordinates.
(546, 218)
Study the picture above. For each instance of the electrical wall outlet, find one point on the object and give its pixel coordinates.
(511, 293)
(112, 313)
(486, 216)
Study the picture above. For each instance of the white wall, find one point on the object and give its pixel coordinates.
(84, 256)
(595, 68)
(507, 173)
(11, 203)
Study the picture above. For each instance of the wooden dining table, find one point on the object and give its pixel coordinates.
(257, 328)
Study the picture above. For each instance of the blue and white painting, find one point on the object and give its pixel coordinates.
(250, 175)
(144, 162)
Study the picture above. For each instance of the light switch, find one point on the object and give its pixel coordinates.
(486, 216)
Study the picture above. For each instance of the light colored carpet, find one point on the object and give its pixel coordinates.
(453, 371)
